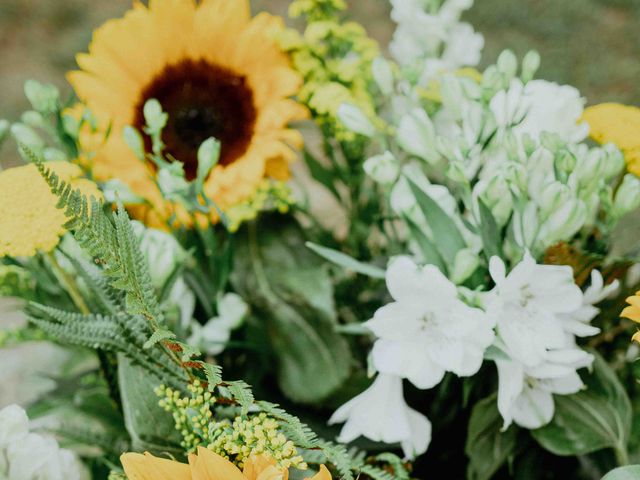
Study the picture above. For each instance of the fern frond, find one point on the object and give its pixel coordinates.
(300, 433)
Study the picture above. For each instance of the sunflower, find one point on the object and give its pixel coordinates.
(632, 312)
(618, 124)
(205, 466)
(216, 71)
(29, 219)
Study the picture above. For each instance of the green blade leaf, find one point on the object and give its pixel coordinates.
(345, 261)
(489, 232)
(427, 248)
(446, 236)
(321, 174)
(487, 447)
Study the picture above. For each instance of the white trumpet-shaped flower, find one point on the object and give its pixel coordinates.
(427, 330)
(381, 414)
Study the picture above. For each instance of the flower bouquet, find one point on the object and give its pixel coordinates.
(256, 252)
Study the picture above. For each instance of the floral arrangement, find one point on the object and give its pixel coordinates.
(436, 286)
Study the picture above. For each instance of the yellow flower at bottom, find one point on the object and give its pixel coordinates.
(29, 219)
(205, 466)
(618, 124)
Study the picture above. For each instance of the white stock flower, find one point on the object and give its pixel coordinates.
(29, 456)
(428, 330)
(525, 394)
(381, 414)
(383, 168)
(540, 106)
(526, 304)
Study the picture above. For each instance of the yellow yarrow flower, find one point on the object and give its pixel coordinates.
(216, 72)
(29, 219)
(206, 465)
(618, 124)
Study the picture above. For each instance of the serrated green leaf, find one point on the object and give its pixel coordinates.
(241, 392)
(446, 236)
(345, 261)
(157, 337)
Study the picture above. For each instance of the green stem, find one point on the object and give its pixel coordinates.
(69, 283)
(622, 456)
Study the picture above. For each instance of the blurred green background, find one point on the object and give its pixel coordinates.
(592, 44)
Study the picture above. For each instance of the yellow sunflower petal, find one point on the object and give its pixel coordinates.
(210, 466)
(261, 467)
(323, 474)
(29, 219)
(148, 467)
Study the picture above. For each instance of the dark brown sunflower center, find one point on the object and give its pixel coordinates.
(203, 100)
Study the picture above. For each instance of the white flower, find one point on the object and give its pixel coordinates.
(383, 168)
(416, 135)
(525, 394)
(526, 305)
(578, 322)
(381, 414)
(540, 106)
(355, 120)
(162, 251)
(215, 334)
(14, 425)
(29, 456)
(464, 47)
(427, 331)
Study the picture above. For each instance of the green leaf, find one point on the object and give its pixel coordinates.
(149, 426)
(427, 248)
(446, 236)
(158, 336)
(291, 292)
(347, 262)
(597, 418)
(489, 232)
(241, 392)
(487, 447)
(320, 173)
(630, 472)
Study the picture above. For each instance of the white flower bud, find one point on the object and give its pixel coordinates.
(208, 156)
(43, 97)
(162, 252)
(33, 119)
(355, 120)
(114, 190)
(563, 223)
(27, 136)
(614, 161)
(627, 197)
(383, 75)
(464, 265)
(54, 155)
(171, 181)
(154, 117)
(416, 135)
(134, 141)
(383, 168)
(530, 65)
(507, 64)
